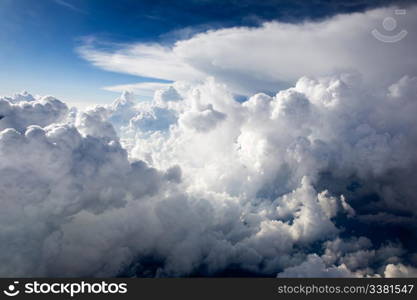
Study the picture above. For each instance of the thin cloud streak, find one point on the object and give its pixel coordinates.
(70, 6)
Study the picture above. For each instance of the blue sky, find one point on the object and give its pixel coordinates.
(39, 38)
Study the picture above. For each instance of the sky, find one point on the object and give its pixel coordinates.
(39, 39)
(227, 138)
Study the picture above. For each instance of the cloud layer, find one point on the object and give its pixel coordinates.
(317, 179)
(209, 185)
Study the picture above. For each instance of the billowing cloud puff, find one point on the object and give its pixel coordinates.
(51, 174)
(23, 110)
(20, 97)
(315, 267)
(400, 271)
(202, 119)
(353, 257)
(94, 123)
(168, 94)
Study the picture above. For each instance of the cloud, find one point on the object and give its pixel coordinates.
(148, 60)
(93, 123)
(203, 119)
(316, 179)
(314, 267)
(399, 270)
(167, 94)
(354, 257)
(52, 174)
(144, 89)
(267, 145)
(274, 55)
(194, 182)
(23, 110)
(18, 97)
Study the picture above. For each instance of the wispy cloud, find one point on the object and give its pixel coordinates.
(271, 56)
(147, 60)
(70, 6)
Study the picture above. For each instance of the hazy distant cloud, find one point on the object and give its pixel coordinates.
(145, 89)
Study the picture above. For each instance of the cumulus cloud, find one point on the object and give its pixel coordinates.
(23, 96)
(51, 174)
(354, 257)
(315, 267)
(400, 270)
(202, 119)
(285, 165)
(22, 110)
(320, 128)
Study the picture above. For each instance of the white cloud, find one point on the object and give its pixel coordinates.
(243, 190)
(93, 122)
(49, 175)
(149, 60)
(400, 270)
(202, 119)
(144, 89)
(274, 55)
(23, 110)
(18, 97)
